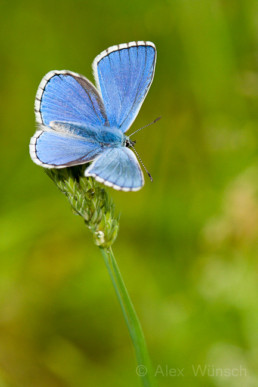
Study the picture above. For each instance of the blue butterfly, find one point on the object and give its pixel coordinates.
(79, 123)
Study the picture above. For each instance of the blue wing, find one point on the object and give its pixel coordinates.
(117, 168)
(55, 149)
(124, 74)
(67, 96)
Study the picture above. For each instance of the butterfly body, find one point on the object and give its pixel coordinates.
(104, 136)
(79, 123)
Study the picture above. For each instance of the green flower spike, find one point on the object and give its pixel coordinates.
(90, 200)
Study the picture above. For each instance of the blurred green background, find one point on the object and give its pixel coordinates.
(187, 245)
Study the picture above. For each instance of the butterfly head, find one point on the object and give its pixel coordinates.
(129, 143)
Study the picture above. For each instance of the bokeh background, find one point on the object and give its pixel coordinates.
(187, 245)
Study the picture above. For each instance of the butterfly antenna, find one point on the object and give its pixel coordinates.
(153, 122)
(146, 170)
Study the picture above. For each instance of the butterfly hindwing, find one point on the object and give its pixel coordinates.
(117, 168)
(124, 74)
(52, 149)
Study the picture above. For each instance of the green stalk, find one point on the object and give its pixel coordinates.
(143, 369)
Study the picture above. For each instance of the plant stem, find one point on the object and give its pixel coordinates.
(144, 369)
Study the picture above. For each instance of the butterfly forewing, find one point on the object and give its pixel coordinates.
(67, 96)
(124, 74)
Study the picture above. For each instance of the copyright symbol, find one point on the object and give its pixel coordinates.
(141, 370)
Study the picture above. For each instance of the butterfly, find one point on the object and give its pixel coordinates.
(79, 123)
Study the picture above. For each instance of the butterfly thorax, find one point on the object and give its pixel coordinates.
(114, 137)
(110, 137)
